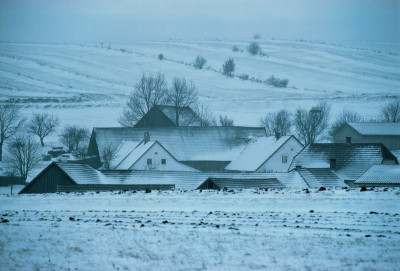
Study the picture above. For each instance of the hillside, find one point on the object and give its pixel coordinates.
(92, 81)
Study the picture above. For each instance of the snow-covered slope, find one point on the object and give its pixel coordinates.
(84, 80)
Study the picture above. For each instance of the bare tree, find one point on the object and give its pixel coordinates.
(199, 62)
(23, 155)
(108, 154)
(207, 118)
(391, 112)
(345, 116)
(311, 124)
(10, 123)
(181, 94)
(228, 67)
(277, 124)
(42, 125)
(73, 137)
(149, 91)
(225, 121)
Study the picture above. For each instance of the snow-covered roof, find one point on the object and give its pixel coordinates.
(256, 152)
(317, 177)
(135, 154)
(192, 180)
(123, 150)
(352, 160)
(376, 128)
(187, 116)
(381, 174)
(82, 173)
(192, 143)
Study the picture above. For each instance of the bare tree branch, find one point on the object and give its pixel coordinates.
(391, 112)
(180, 95)
(10, 124)
(42, 125)
(149, 91)
(24, 155)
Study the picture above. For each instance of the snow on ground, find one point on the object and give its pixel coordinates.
(91, 83)
(273, 230)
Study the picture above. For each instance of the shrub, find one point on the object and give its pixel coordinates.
(254, 48)
(235, 49)
(244, 76)
(199, 62)
(256, 36)
(228, 67)
(160, 56)
(276, 82)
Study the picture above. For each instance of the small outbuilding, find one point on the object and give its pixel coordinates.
(232, 183)
(369, 132)
(380, 176)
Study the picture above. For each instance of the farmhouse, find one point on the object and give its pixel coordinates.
(266, 154)
(166, 116)
(200, 148)
(330, 164)
(368, 132)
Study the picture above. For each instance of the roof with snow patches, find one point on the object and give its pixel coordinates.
(376, 128)
(351, 160)
(317, 177)
(193, 143)
(381, 174)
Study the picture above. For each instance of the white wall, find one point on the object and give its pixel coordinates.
(156, 153)
(274, 163)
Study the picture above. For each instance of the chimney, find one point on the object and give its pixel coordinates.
(332, 163)
(348, 139)
(277, 135)
(146, 137)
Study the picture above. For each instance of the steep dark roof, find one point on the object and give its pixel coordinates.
(352, 160)
(165, 116)
(187, 116)
(184, 143)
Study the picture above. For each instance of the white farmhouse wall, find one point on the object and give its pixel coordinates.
(274, 164)
(157, 153)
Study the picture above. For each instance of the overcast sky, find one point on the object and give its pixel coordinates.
(142, 20)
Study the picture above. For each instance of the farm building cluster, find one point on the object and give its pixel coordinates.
(158, 154)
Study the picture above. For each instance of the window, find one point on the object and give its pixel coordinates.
(332, 163)
(348, 139)
(149, 162)
(163, 161)
(284, 159)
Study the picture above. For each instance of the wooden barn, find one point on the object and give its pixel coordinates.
(369, 132)
(68, 177)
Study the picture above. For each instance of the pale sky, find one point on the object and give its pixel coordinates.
(75, 21)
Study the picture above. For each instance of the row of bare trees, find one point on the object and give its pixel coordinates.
(23, 152)
(153, 90)
(312, 125)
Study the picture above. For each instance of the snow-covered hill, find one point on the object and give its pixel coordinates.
(89, 84)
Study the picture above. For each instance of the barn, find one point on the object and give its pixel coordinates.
(68, 177)
(369, 132)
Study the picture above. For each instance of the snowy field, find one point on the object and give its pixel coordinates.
(249, 230)
(92, 81)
